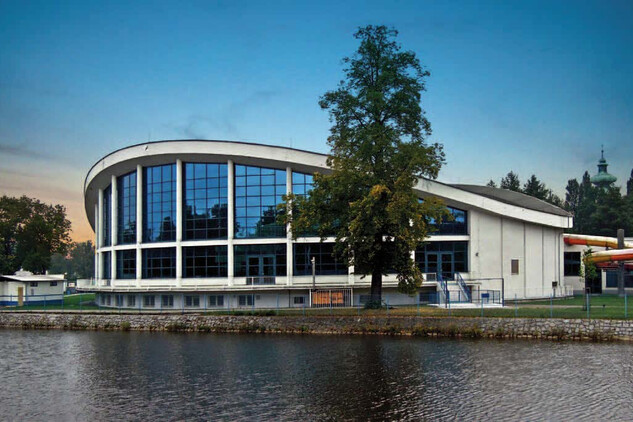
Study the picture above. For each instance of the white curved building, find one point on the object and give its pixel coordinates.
(191, 224)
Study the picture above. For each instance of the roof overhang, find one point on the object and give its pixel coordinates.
(127, 159)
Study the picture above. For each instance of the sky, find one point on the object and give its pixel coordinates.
(533, 87)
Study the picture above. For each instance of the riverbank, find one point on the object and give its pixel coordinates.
(557, 329)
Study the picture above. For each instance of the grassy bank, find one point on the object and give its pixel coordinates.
(601, 307)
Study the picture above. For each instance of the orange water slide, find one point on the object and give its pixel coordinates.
(612, 255)
(605, 242)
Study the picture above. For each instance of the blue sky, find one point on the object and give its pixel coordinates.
(534, 87)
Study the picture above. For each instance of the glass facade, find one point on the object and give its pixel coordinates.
(258, 191)
(444, 258)
(159, 203)
(126, 264)
(107, 216)
(205, 261)
(106, 265)
(260, 260)
(302, 183)
(457, 225)
(325, 262)
(301, 186)
(126, 209)
(159, 263)
(205, 201)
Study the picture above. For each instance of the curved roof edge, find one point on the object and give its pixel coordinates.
(124, 160)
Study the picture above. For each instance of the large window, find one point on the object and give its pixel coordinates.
(126, 198)
(260, 260)
(258, 191)
(206, 201)
(106, 265)
(301, 186)
(455, 225)
(302, 183)
(205, 261)
(159, 203)
(572, 263)
(325, 263)
(107, 216)
(126, 264)
(445, 258)
(612, 279)
(159, 263)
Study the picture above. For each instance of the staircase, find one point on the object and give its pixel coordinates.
(452, 291)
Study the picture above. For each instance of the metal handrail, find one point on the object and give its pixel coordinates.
(443, 287)
(463, 287)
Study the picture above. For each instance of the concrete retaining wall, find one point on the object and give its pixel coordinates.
(559, 329)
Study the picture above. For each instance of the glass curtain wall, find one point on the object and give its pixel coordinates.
(260, 260)
(126, 209)
(301, 186)
(325, 262)
(258, 191)
(107, 216)
(159, 263)
(126, 264)
(205, 261)
(444, 258)
(106, 265)
(205, 201)
(159, 203)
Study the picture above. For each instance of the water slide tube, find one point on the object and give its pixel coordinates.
(602, 257)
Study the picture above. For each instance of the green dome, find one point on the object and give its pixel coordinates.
(603, 178)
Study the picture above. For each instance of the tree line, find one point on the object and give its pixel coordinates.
(597, 211)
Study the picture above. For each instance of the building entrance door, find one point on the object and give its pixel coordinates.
(261, 266)
(441, 263)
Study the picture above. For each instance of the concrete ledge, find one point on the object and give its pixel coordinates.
(541, 328)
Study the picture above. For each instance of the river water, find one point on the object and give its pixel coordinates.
(57, 375)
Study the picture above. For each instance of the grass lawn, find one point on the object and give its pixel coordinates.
(602, 307)
(71, 302)
(569, 308)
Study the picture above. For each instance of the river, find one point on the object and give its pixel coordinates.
(73, 375)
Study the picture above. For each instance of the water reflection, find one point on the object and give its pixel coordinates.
(51, 375)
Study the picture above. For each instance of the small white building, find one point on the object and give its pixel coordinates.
(26, 288)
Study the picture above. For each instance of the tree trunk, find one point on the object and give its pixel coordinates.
(376, 288)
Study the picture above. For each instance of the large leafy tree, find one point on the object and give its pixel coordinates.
(30, 232)
(378, 152)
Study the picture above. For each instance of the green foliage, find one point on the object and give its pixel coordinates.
(378, 152)
(533, 187)
(588, 270)
(511, 182)
(598, 211)
(30, 232)
(78, 264)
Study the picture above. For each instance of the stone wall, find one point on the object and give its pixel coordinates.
(559, 329)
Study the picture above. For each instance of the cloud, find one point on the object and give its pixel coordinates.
(22, 151)
(226, 121)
